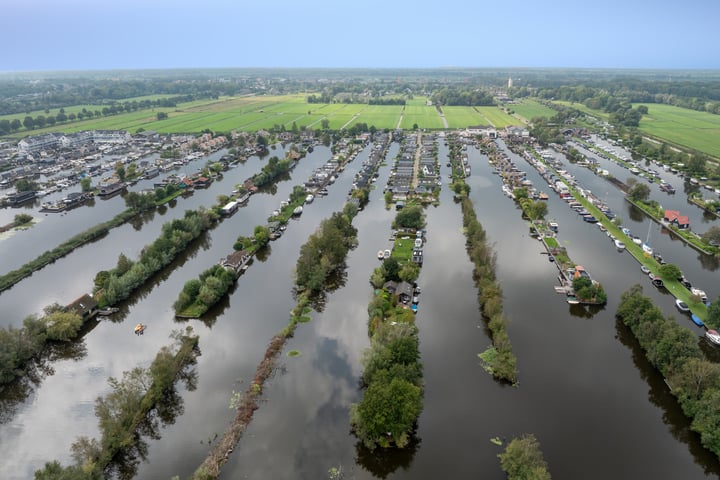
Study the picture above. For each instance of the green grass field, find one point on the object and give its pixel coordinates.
(497, 117)
(461, 117)
(254, 113)
(682, 126)
(689, 128)
(530, 109)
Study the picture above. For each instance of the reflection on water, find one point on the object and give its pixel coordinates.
(383, 462)
(659, 394)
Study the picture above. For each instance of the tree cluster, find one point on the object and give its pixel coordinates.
(392, 378)
(142, 400)
(325, 251)
(471, 97)
(674, 351)
(503, 363)
(523, 459)
(271, 170)
(117, 284)
(201, 294)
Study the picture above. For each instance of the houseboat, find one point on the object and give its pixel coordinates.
(110, 189)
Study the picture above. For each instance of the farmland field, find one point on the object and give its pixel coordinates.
(530, 109)
(254, 113)
(425, 116)
(462, 117)
(497, 117)
(685, 127)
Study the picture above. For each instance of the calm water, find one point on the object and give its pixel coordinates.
(599, 410)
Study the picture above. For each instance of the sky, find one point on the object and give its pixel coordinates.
(43, 35)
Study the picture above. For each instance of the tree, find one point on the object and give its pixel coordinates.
(15, 125)
(523, 459)
(712, 235)
(387, 413)
(713, 318)
(643, 109)
(22, 219)
(537, 210)
(86, 184)
(120, 171)
(670, 271)
(162, 116)
(325, 123)
(639, 192)
(697, 166)
(63, 326)
(410, 217)
(29, 123)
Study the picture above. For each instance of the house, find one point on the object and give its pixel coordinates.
(236, 261)
(680, 221)
(403, 290)
(85, 306)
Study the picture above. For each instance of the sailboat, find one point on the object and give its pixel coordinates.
(646, 246)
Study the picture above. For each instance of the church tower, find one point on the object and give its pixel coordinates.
(509, 82)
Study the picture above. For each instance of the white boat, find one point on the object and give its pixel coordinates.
(644, 269)
(298, 210)
(386, 254)
(380, 255)
(620, 245)
(647, 249)
(713, 336)
(309, 198)
(682, 306)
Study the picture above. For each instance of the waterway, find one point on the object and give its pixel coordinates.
(599, 410)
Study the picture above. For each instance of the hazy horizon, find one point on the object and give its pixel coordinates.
(84, 35)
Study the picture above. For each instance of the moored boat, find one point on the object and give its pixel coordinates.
(682, 306)
(696, 320)
(713, 336)
(621, 246)
(380, 255)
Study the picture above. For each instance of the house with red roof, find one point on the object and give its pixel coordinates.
(674, 217)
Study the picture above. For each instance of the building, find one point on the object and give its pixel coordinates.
(85, 306)
(37, 143)
(674, 218)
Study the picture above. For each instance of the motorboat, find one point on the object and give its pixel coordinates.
(696, 320)
(298, 210)
(644, 269)
(309, 198)
(682, 306)
(386, 254)
(380, 254)
(620, 245)
(647, 249)
(713, 336)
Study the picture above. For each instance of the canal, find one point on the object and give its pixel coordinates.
(597, 407)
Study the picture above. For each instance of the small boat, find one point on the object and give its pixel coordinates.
(309, 198)
(621, 246)
(696, 320)
(657, 282)
(380, 255)
(645, 269)
(572, 300)
(140, 329)
(551, 258)
(107, 311)
(298, 210)
(682, 306)
(647, 249)
(386, 254)
(590, 219)
(713, 336)
(554, 226)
